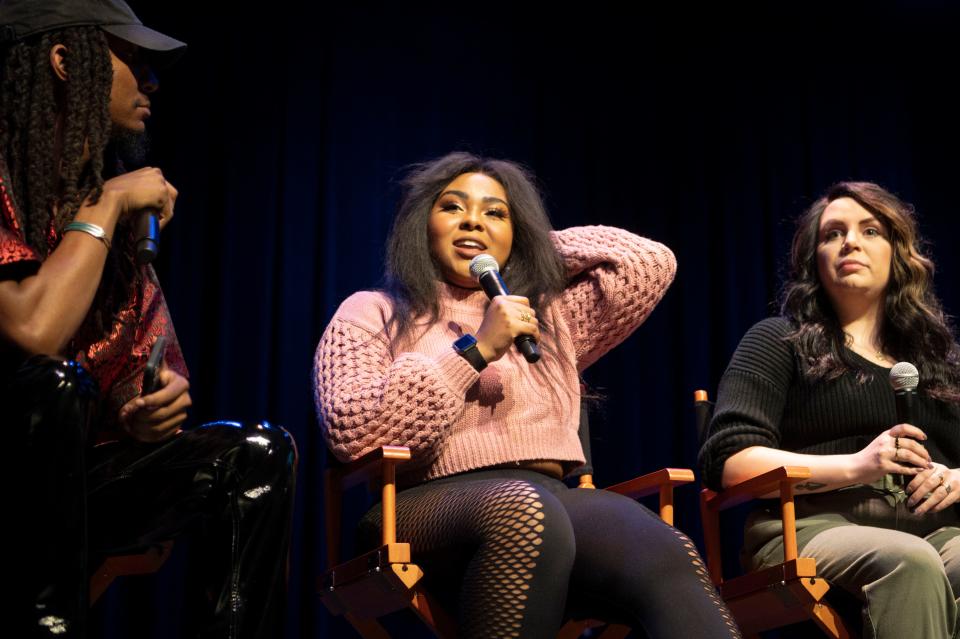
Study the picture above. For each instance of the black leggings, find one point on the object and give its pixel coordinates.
(529, 552)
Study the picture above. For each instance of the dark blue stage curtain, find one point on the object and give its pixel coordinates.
(287, 125)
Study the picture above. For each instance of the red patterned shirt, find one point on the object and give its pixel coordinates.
(114, 356)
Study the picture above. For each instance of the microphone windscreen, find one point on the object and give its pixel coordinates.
(483, 263)
(904, 376)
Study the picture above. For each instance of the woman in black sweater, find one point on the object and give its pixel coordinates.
(810, 388)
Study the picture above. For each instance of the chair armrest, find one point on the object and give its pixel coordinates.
(652, 482)
(147, 562)
(756, 487)
(661, 481)
(368, 468)
(780, 480)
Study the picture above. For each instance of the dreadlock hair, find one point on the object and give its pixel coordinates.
(46, 125)
(534, 269)
(914, 327)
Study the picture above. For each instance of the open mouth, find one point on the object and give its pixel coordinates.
(468, 249)
(470, 244)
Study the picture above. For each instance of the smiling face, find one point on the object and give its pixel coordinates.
(471, 216)
(853, 252)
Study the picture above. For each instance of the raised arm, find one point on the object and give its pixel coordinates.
(616, 279)
(41, 310)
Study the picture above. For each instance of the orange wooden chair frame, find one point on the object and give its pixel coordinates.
(781, 595)
(144, 563)
(385, 579)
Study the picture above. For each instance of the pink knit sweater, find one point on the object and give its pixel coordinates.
(423, 395)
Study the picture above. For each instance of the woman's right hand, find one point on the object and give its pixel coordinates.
(507, 317)
(897, 450)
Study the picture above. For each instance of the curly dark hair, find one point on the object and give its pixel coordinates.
(46, 126)
(914, 327)
(533, 270)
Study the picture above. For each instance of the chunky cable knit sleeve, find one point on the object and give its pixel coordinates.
(616, 279)
(366, 398)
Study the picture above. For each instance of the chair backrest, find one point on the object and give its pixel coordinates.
(703, 412)
(583, 431)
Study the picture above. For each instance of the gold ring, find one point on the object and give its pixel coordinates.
(525, 317)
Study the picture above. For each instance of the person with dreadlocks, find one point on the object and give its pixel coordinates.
(102, 464)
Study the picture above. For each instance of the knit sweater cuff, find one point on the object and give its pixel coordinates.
(458, 374)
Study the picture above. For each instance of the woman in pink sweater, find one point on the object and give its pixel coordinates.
(430, 363)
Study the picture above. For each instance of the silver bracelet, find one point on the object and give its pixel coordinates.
(90, 229)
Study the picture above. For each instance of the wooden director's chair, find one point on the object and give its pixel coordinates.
(781, 595)
(387, 579)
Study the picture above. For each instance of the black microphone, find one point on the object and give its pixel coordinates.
(148, 236)
(485, 268)
(904, 378)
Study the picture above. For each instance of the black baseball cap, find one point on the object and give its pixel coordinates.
(21, 19)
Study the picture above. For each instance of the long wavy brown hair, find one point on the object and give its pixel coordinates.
(914, 327)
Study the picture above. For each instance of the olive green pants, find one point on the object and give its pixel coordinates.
(905, 568)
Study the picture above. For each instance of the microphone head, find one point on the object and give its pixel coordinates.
(483, 263)
(904, 376)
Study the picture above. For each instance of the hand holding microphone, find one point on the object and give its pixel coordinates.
(897, 451)
(904, 379)
(930, 488)
(509, 318)
(149, 198)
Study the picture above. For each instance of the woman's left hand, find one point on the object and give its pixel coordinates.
(934, 489)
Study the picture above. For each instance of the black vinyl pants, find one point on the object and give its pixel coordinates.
(517, 552)
(76, 504)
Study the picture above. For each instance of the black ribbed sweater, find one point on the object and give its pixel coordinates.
(764, 400)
